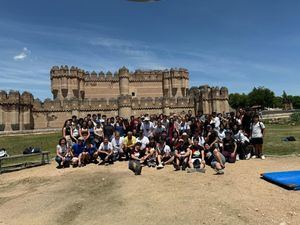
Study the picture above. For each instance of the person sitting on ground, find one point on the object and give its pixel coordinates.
(182, 154)
(196, 160)
(63, 155)
(117, 143)
(150, 153)
(229, 148)
(243, 142)
(218, 160)
(128, 145)
(105, 152)
(208, 155)
(164, 154)
(78, 150)
(136, 159)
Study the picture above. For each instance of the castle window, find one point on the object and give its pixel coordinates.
(133, 94)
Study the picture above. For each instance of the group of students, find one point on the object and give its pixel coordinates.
(186, 142)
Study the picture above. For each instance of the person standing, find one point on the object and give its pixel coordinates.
(257, 135)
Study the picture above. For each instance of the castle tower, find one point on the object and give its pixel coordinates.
(179, 82)
(55, 83)
(73, 83)
(81, 83)
(25, 116)
(67, 84)
(215, 91)
(167, 88)
(225, 98)
(184, 79)
(124, 81)
(204, 105)
(175, 83)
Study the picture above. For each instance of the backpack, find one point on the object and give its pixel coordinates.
(31, 150)
(3, 153)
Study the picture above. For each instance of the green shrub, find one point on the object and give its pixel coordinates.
(295, 118)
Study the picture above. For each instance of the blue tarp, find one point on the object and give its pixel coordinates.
(287, 179)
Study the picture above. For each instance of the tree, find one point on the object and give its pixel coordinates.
(278, 102)
(296, 102)
(238, 100)
(261, 96)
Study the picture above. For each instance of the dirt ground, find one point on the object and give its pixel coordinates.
(113, 195)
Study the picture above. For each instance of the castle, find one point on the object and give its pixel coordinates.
(124, 93)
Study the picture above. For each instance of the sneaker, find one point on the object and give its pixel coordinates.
(253, 157)
(160, 166)
(220, 172)
(237, 157)
(263, 157)
(190, 170)
(200, 170)
(176, 167)
(248, 156)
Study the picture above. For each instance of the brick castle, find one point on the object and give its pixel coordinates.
(124, 93)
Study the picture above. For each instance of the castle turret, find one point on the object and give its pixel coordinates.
(81, 84)
(65, 83)
(73, 83)
(166, 84)
(124, 81)
(184, 78)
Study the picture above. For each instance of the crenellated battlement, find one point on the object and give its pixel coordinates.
(15, 98)
(137, 75)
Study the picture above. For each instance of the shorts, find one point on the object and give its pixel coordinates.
(257, 141)
(214, 160)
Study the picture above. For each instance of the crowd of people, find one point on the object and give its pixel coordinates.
(184, 142)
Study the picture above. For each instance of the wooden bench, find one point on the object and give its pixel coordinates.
(23, 161)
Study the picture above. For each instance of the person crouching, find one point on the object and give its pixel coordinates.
(196, 160)
(105, 152)
(136, 159)
(182, 154)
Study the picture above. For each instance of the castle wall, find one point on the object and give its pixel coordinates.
(146, 89)
(95, 90)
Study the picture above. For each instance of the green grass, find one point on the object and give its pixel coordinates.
(273, 145)
(15, 145)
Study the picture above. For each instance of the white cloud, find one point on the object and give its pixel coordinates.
(22, 55)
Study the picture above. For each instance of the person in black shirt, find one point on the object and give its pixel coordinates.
(196, 159)
(182, 154)
(229, 147)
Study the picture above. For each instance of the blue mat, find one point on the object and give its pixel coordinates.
(287, 179)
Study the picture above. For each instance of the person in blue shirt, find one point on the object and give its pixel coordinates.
(91, 149)
(79, 154)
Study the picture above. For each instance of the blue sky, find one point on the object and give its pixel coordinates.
(235, 43)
